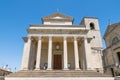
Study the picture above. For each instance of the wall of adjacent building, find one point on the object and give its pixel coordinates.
(110, 53)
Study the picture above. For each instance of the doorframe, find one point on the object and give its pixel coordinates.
(61, 61)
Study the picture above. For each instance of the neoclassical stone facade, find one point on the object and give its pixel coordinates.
(58, 44)
(112, 51)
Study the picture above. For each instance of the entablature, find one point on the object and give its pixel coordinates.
(58, 31)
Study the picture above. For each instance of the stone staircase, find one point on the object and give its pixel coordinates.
(58, 73)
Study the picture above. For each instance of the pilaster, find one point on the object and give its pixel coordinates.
(87, 50)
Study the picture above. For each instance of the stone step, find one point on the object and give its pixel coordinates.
(58, 73)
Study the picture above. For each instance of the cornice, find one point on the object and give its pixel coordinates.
(58, 31)
(90, 17)
(49, 19)
(37, 25)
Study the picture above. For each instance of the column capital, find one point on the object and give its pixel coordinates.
(29, 37)
(75, 37)
(85, 37)
(25, 39)
(50, 37)
(39, 37)
(65, 37)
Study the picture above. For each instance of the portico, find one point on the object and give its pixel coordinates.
(55, 52)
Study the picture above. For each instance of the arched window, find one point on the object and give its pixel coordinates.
(92, 26)
(115, 40)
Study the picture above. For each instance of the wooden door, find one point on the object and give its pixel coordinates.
(57, 62)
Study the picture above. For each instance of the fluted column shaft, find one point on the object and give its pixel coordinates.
(50, 54)
(26, 54)
(38, 53)
(65, 53)
(76, 54)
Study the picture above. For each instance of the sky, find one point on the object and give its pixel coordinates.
(17, 15)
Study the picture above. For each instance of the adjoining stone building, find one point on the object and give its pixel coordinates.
(58, 48)
(112, 51)
(4, 72)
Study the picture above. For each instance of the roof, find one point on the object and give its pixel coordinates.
(110, 28)
(57, 16)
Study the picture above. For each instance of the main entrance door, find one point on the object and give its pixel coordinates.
(57, 62)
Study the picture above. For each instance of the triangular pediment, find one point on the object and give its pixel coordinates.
(58, 16)
(57, 19)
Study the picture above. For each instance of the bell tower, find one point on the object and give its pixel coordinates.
(92, 24)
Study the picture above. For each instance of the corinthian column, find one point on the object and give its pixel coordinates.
(76, 54)
(50, 54)
(38, 53)
(26, 53)
(65, 53)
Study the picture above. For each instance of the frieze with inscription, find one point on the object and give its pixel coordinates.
(60, 31)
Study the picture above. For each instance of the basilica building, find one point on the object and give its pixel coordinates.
(58, 48)
(57, 44)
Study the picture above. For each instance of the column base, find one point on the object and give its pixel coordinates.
(90, 69)
(77, 69)
(65, 69)
(48, 69)
(37, 69)
(25, 69)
